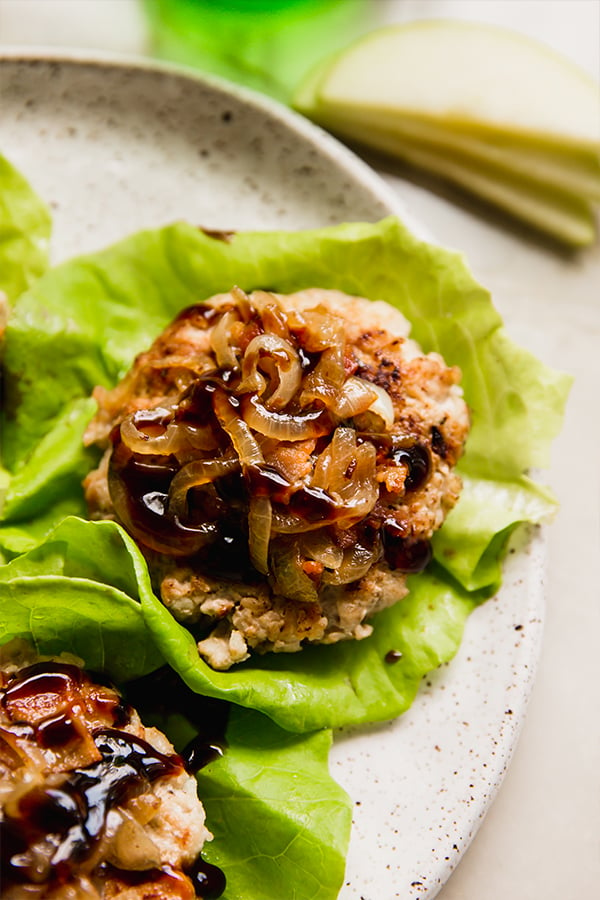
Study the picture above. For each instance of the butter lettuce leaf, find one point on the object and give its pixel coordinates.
(86, 588)
(341, 684)
(80, 590)
(278, 818)
(470, 545)
(24, 232)
(82, 325)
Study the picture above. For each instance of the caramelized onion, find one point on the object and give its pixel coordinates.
(356, 396)
(326, 380)
(289, 578)
(259, 532)
(271, 313)
(168, 437)
(245, 444)
(242, 300)
(380, 414)
(319, 546)
(356, 562)
(285, 426)
(193, 364)
(221, 341)
(194, 474)
(292, 523)
(278, 358)
(347, 472)
(322, 330)
(132, 848)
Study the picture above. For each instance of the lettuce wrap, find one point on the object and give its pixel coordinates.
(80, 590)
(84, 321)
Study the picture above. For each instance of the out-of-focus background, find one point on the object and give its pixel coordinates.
(541, 838)
(570, 26)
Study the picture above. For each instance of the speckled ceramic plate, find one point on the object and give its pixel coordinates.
(114, 147)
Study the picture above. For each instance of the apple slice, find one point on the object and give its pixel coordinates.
(571, 168)
(488, 109)
(573, 172)
(475, 78)
(562, 215)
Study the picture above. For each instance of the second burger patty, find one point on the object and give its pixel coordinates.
(93, 804)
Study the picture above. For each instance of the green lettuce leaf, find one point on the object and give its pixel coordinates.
(83, 323)
(278, 818)
(471, 543)
(87, 584)
(347, 683)
(81, 591)
(24, 232)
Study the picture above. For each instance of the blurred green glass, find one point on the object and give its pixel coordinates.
(265, 44)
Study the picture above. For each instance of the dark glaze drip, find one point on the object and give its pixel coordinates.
(228, 558)
(418, 461)
(311, 503)
(139, 488)
(208, 880)
(266, 481)
(438, 443)
(204, 879)
(121, 714)
(196, 406)
(73, 814)
(315, 505)
(163, 693)
(139, 484)
(198, 753)
(147, 479)
(405, 555)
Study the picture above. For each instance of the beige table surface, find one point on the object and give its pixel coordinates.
(541, 838)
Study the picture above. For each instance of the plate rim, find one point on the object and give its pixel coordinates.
(342, 156)
(331, 146)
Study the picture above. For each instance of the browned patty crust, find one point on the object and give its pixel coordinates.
(282, 461)
(92, 804)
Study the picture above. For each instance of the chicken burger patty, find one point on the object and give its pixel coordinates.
(92, 804)
(282, 462)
